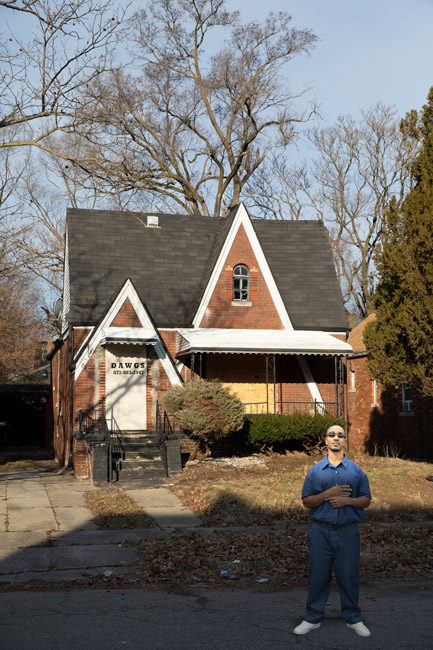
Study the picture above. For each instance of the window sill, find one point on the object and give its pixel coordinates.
(241, 303)
(406, 413)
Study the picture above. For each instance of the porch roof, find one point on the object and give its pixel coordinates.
(132, 335)
(232, 341)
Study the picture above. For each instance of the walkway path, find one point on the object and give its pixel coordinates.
(48, 533)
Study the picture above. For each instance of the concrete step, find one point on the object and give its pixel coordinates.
(135, 483)
(136, 473)
(140, 448)
(145, 465)
(138, 435)
(142, 455)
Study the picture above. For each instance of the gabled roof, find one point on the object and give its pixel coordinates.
(356, 336)
(170, 265)
(104, 333)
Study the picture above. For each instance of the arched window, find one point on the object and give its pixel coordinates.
(241, 282)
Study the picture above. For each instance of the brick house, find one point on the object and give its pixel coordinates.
(151, 301)
(384, 420)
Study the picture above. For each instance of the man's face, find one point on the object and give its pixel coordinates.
(335, 438)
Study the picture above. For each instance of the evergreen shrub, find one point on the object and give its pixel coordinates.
(269, 429)
(205, 409)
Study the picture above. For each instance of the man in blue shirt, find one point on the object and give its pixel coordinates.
(337, 492)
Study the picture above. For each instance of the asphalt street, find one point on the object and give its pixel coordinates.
(47, 534)
(399, 616)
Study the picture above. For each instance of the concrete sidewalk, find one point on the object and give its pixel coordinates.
(48, 533)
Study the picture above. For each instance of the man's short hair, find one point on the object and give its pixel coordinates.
(335, 427)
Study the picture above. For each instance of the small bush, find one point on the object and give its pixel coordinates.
(206, 409)
(269, 429)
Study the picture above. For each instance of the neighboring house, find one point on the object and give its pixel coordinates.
(151, 301)
(25, 413)
(384, 420)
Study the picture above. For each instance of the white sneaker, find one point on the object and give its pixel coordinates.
(359, 628)
(305, 627)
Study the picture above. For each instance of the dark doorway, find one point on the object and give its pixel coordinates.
(24, 415)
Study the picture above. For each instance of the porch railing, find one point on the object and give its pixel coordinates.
(116, 451)
(94, 426)
(166, 425)
(90, 421)
(287, 408)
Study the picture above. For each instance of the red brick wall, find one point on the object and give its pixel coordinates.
(79, 336)
(84, 389)
(359, 403)
(82, 460)
(262, 313)
(126, 316)
(169, 338)
(157, 385)
(61, 403)
(384, 428)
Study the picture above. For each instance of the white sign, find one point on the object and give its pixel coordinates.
(126, 374)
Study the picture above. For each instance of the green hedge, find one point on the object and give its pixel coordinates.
(268, 429)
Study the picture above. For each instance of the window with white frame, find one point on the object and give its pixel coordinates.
(241, 283)
(375, 393)
(406, 398)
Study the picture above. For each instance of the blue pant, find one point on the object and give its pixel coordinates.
(338, 548)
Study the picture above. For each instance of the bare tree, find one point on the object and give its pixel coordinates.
(41, 78)
(357, 167)
(191, 128)
(23, 328)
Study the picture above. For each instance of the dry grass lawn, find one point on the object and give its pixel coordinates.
(266, 490)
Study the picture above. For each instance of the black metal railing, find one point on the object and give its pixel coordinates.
(289, 407)
(86, 423)
(91, 421)
(166, 425)
(159, 428)
(116, 451)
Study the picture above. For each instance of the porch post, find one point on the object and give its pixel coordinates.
(339, 387)
(196, 365)
(274, 363)
(270, 364)
(336, 386)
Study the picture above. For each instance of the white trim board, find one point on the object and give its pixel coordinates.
(94, 339)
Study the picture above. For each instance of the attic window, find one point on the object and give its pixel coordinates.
(241, 283)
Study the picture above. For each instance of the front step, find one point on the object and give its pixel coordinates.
(141, 458)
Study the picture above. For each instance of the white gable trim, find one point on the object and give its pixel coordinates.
(95, 337)
(242, 218)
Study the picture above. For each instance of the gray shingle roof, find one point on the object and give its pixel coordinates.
(171, 265)
(300, 259)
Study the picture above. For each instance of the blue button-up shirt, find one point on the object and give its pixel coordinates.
(323, 476)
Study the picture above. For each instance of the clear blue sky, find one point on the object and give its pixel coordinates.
(369, 51)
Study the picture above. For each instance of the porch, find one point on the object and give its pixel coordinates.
(271, 371)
